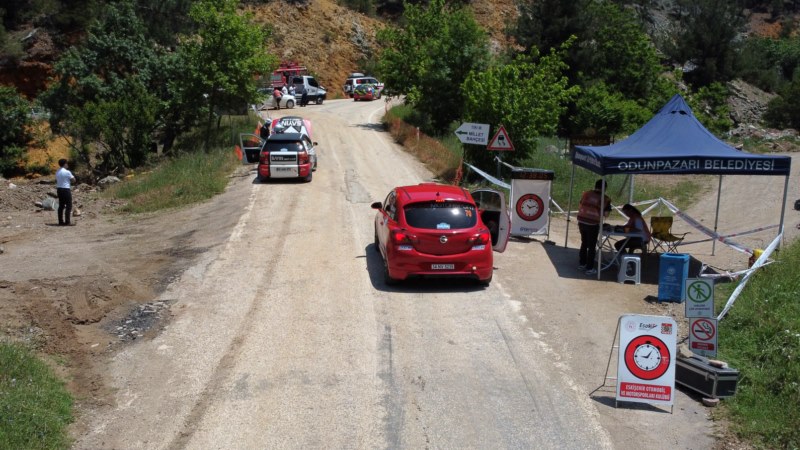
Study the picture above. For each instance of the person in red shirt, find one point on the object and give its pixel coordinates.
(277, 94)
(589, 224)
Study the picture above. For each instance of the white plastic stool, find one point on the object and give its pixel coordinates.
(630, 269)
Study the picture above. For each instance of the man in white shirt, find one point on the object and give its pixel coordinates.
(64, 179)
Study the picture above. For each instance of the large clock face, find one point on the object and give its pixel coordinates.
(647, 357)
(530, 207)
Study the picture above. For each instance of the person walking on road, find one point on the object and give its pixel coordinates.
(589, 224)
(303, 95)
(64, 180)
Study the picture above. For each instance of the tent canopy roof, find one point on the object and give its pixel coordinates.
(675, 142)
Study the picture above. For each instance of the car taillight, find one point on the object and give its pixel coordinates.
(302, 157)
(481, 238)
(264, 159)
(400, 237)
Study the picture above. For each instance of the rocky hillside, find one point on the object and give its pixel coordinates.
(326, 37)
(330, 39)
(321, 34)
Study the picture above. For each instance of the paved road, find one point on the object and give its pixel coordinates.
(283, 336)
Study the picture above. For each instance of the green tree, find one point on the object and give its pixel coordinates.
(604, 112)
(98, 79)
(710, 106)
(613, 60)
(528, 107)
(616, 50)
(14, 123)
(430, 56)
(783, 111)
(546, 24)
(708, 38)
(119, 129)
(769, 63)
(220, 60)
(166, 20)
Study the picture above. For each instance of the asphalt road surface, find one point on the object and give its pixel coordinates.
(284, 336)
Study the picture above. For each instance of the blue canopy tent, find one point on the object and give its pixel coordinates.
(675, 142)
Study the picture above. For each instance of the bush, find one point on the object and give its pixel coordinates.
(14, 123)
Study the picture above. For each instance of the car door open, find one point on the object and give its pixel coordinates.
(494, 214)
(251, 146)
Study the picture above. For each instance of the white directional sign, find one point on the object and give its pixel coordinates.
(473, 133)
(501, 141)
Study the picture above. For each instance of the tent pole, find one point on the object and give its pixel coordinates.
(630, 192)
(569, 204)
(600, 230)
(783, 207)
(716, 217)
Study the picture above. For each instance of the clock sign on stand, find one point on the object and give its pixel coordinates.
(647, 357)
(530, 207)
(646, 363)
(530, 201)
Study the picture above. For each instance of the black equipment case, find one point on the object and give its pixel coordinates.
(698, 375)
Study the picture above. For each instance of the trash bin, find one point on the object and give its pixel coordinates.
(673, 270)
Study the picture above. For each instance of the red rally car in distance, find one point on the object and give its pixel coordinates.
(436, 230)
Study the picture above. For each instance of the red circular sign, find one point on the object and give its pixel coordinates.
(530, 207)
(647, 357)
(703, 330)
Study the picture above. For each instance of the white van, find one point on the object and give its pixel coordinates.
(315, 92)
(353, 82)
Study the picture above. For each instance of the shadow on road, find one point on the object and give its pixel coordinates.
(414, 285)
(565, 261)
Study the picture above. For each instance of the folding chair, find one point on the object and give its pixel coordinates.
(662, 237)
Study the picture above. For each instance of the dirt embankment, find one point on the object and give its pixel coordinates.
(79, 292)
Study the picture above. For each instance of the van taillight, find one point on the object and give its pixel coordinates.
(264, 158)
(302, 157)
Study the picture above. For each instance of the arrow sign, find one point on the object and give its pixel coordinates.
(501, 141)
(473, 133)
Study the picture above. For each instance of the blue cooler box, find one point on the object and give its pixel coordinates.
(673, 270)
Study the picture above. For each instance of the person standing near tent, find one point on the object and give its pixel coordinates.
(589, 224)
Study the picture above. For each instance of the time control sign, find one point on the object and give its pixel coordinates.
(530, 201)
(646, 365)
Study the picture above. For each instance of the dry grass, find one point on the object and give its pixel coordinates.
(442, 161)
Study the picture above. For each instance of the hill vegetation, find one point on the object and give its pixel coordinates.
(124, 80)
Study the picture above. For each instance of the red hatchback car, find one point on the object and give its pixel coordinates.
(436, 230)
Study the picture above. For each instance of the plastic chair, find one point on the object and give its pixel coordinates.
(662, 237)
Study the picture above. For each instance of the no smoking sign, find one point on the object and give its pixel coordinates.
(703, 336)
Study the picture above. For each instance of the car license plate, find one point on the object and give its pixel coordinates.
(443, 266)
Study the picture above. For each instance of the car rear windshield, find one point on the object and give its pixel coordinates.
(441, 215)
(284, 146)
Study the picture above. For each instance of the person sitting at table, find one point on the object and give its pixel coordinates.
(635, 224)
